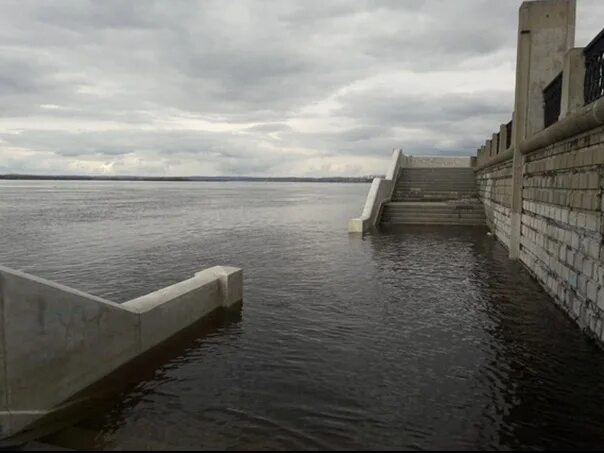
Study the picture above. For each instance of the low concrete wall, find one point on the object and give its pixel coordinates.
(56, 341)
(379, 193)
(437, 162)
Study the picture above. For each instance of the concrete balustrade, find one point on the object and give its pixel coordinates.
(379, 193)
(56, 341)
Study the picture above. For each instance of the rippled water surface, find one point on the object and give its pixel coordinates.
(418, 338)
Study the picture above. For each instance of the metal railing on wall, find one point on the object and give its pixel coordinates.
(593, 86)
(552, 96)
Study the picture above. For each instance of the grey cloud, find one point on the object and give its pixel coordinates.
(106, 80)
(398, 109)
(269, 127)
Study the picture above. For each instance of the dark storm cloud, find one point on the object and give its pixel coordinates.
(259, 87)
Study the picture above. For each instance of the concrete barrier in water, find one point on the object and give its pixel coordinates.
(379, 193)
(56, 341)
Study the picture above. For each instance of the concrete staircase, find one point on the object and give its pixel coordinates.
(434, 196)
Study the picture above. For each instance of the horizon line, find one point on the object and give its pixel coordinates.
(30, 176)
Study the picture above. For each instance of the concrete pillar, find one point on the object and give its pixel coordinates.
(549, 27)
(494, 144)
(488, 147)
(502, 136)
(546, 30)
(573, 75)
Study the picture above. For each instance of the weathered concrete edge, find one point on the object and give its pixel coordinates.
(508, 154)
(584, 119)
(423, 161)
(379, 193)
(151, 319)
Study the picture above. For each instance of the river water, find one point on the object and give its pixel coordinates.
(420, 338)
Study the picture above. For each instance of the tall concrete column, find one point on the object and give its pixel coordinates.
(501, 141)
(494, 144)
(572, 81)
(546, 30)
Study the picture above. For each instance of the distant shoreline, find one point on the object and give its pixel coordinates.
(340, 179)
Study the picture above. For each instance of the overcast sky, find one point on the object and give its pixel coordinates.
(279, 88)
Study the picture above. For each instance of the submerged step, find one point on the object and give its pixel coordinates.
(459, 211)
(435, 222)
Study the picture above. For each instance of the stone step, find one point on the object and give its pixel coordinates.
(436, 177)
(435, 184)
(433, 213)
(427, 217)
(421, 220)
(437, 204)
(444, 196)
(432, 209)
(450, 212)
(430, 216)
(427, 199)
(471, 222)
(436, 174)
(456, 193)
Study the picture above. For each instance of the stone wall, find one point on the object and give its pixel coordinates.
(561, 232)
(561, 221)
(495, 191)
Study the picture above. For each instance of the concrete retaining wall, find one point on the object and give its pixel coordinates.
(561, 230)
(561, 219)
(495, 191)
(56, 341)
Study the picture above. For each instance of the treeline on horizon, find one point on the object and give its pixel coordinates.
(188, 178)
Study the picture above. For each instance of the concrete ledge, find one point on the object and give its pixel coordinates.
(582, 120)
(508, 154)
(438, 162)
(56, 341)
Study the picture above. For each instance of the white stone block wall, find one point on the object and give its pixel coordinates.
(561, 232)
(495, 191)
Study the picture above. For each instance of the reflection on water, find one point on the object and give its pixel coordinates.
(417, 338)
